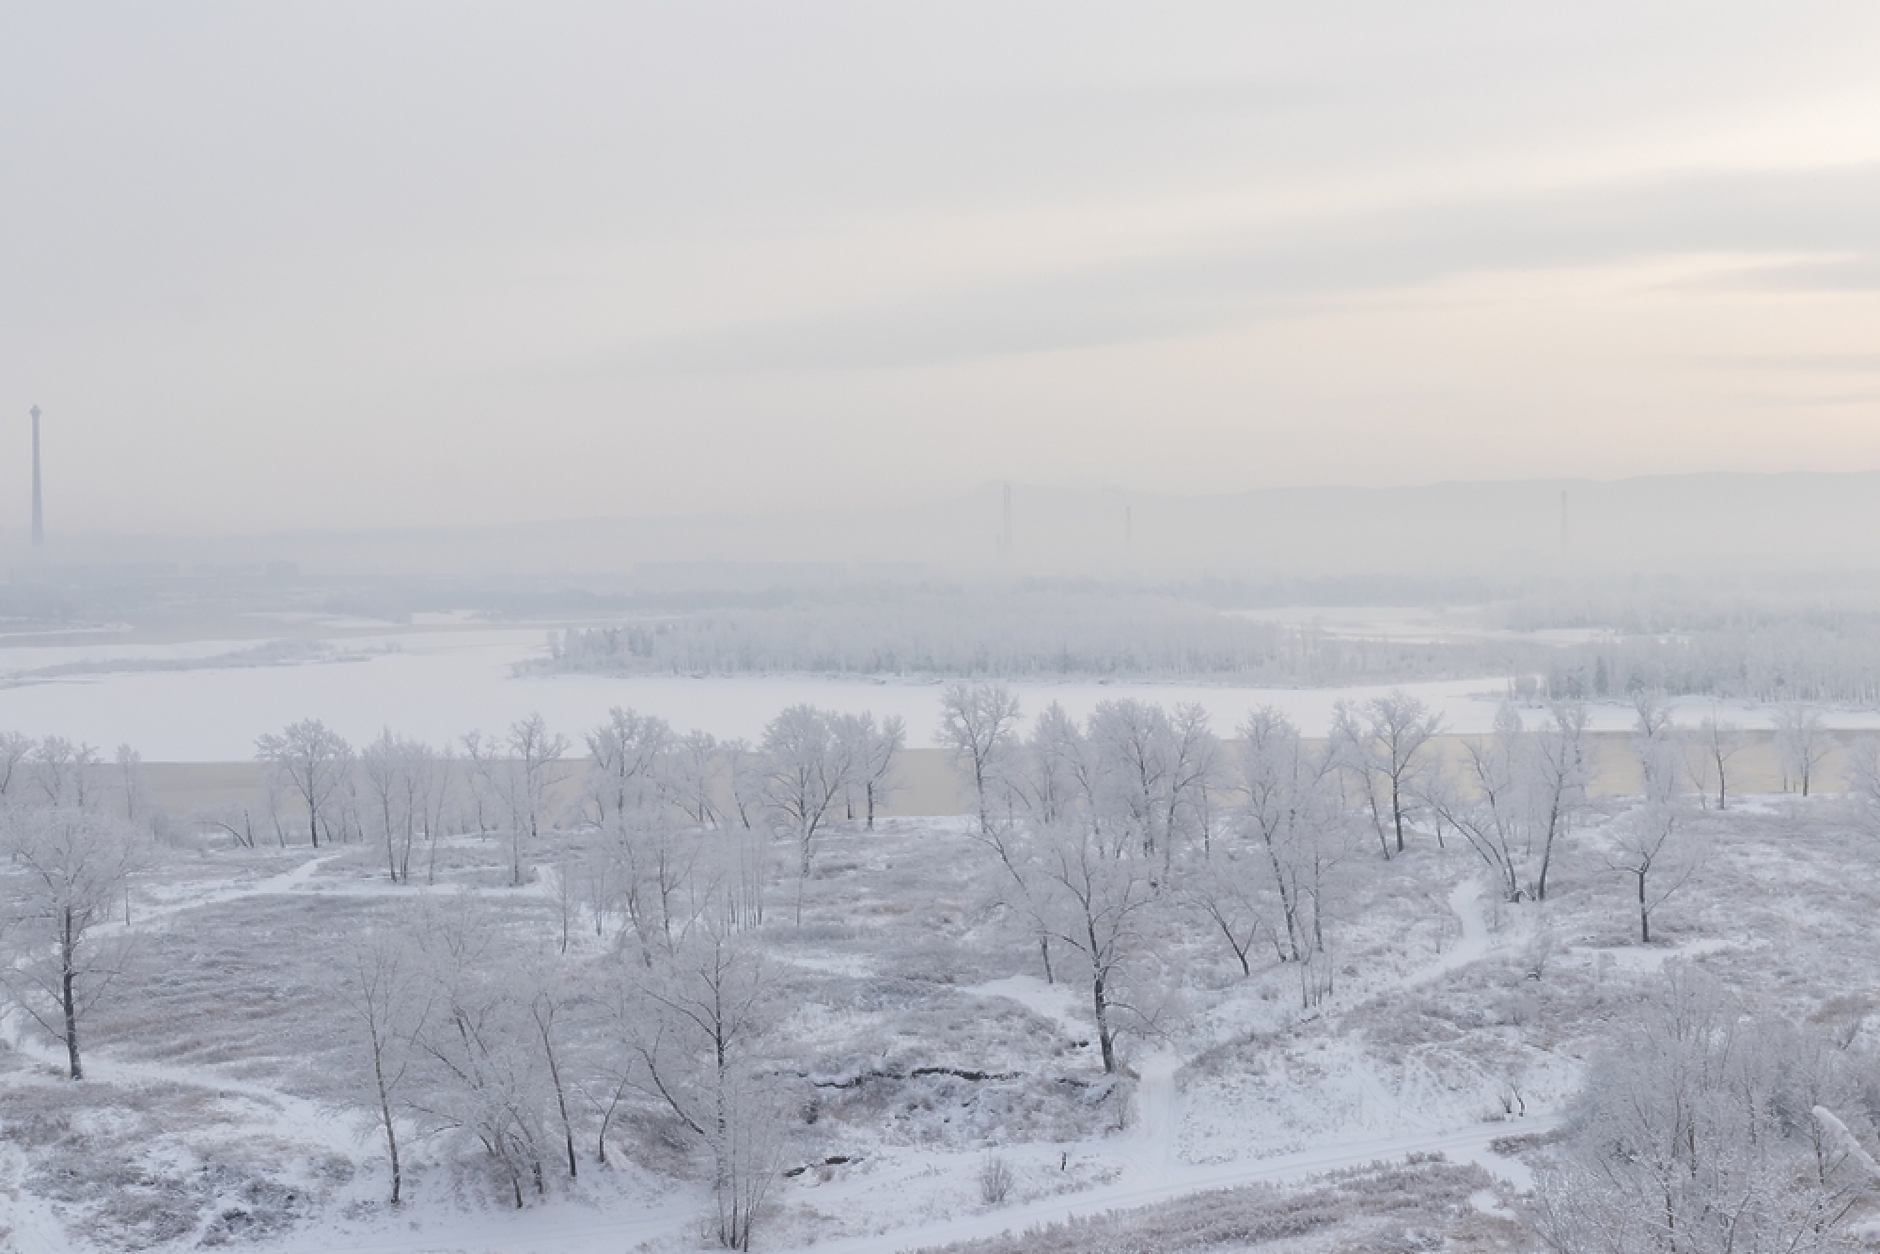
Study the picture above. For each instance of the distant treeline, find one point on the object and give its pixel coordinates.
(1732, 651)
(1013, 635)
(1793, 662)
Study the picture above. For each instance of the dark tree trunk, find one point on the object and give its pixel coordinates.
(69, 1000)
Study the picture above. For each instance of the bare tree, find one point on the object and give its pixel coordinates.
(978, 722)
(313, 760)
(1094, 897)
(482, 1083)
(1232, 891)
(64, 772)
(1056, 772)
(1651, 849)
(14, 749)
(525, 783)
(1557, 784)
(745, 767)
(550, 999)
(709, 1002)
(70, 868)
(1488, 806)
(694, 779)
(130, 771)
(1802, 742)
(627, 764)
(385, 999)
(871, 751)
(437, 792)
(1296, 822)
(1657, 746)
(1863, 762)
(1708, 751)
(1386, 741)
(1703, 1128)
(483, 764)
(1130, 749)
(399, 777)
(1195, 775)
(807, 773)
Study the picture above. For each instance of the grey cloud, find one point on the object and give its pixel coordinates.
(1823, 401)
(1860, 273)
(1826, 363)
(1262, 273)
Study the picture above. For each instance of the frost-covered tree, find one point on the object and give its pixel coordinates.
(65, 871)
(979, 722)
(14, 748)
(693, 777)
(627, 765)
(1293, 835)
(130, 782)
(1803, 743)
(745, 767)
(1651, 849)
(1093, 897)
(399, 776)
(533, 752)
(384, 999)
(64, 773)
(1704, 1129)
(1151, 774)
(1863, 782)
(1658, 747)
(1708, 753)
(698, 1040)
(1487, 803)
(1056, 773)
(481, 1084)
(311, 760)
(524, 779)
(807, 771)
(655, 865)
(871, 752)
(1385, 743)
(1558, 775)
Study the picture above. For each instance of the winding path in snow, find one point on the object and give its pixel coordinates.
(1153, 1171)
(1465, 900)
(1465, 1144)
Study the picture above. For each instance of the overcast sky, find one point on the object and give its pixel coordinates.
(350, 265)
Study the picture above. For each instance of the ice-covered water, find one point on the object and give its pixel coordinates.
(439, 684)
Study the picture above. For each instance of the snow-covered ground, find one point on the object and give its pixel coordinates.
(1457, 1020)
(901, 1192)
(438, 684)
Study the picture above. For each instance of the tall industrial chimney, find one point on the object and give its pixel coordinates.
(39, 520)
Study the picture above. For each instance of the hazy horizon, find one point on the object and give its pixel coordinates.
(1800, 523)
(356, 268)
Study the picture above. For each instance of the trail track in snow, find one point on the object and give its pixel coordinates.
(1465, 1144)
(293, 879)
(1465, 900)
(1153, 1171)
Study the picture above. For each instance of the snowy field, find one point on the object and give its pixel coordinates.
(909, 1035)
(207, 701)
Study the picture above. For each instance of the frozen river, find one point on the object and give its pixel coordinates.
(437, 685)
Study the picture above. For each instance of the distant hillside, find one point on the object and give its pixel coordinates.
(1694, 523)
